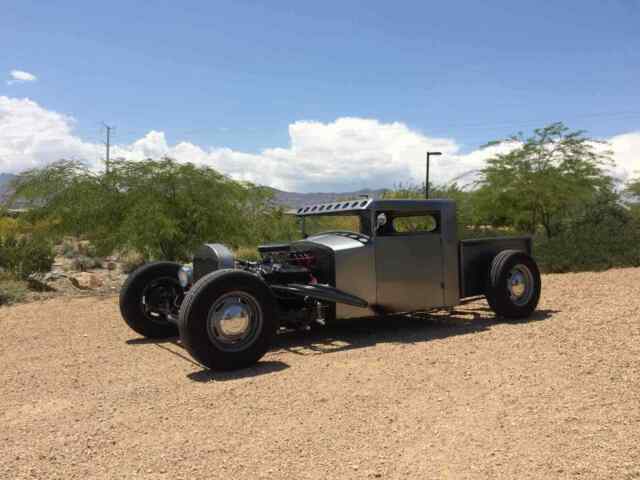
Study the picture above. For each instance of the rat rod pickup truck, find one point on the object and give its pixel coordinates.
(400, 256)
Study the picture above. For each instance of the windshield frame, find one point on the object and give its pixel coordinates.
(364, 217)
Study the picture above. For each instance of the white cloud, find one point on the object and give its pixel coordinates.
(20, 76)
(346, 154)
(31, 136)
(626, 153)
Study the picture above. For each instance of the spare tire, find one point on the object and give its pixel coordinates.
(513, 284)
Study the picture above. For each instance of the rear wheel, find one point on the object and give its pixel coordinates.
(514, 285)
(149, 293)
(228, 320)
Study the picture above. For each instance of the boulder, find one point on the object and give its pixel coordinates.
(85, 281)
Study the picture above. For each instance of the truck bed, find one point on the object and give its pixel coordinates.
(475, 258)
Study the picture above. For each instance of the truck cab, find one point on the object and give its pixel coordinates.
(407, 257)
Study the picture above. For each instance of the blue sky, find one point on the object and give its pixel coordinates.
(238, 74)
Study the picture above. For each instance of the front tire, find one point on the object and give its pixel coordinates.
(228, 320)
(148, 292)
(513, 284)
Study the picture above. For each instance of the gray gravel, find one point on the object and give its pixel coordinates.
(451, 396)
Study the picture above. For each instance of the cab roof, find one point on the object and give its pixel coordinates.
(355, 206)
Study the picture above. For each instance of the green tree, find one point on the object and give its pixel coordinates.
(463, 197)
(541, 179)
(161, 208)
(599, 234)
(633, 188)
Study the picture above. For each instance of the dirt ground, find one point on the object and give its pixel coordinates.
(451, 396)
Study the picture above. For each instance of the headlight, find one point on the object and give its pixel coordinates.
(185, 275)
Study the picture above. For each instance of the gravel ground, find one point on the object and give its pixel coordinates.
(452, 396)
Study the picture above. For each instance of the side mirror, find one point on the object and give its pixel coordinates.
(381, 221)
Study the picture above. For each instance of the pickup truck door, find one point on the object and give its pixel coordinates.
(409, 270)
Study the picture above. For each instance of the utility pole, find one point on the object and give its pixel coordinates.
(108, 145)
(426, 182)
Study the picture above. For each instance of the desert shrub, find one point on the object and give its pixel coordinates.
(12, 290)
(24, 255)
(247, 253)
(83, 263)
(130, 260)
(604, 236)
(87, 249)
(41, 228)
(8, 226)
(68, 249)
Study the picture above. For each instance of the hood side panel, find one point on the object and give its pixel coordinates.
(354, 269)
(356, 274)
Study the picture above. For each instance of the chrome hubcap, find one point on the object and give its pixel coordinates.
(234, 322)
(520, 284)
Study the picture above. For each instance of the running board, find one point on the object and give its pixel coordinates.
(321, 292)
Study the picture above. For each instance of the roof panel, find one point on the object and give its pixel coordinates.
(354, 206)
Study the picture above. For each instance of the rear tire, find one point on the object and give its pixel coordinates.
(513, 284)
(157, 280)
(228, 320)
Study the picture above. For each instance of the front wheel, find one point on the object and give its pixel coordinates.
(228, 320)
(513, 284)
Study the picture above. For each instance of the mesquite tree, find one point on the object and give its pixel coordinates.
(161, 208)
(539, 180)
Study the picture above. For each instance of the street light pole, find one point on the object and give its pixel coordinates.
(426, 183)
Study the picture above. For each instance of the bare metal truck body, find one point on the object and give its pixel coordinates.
(413, 271)
(405, 257)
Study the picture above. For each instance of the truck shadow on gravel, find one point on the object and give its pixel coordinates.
(357, 333)
(398, 329)
(174, 347)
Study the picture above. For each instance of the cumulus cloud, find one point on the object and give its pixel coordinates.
(346, 154)
(20, 76)
(626, 153)
(31, 136)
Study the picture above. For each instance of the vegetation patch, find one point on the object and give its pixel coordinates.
(12, 290)
(553, 185)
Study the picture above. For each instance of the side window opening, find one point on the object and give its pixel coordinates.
(413, 223)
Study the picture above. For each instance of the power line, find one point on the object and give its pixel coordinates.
(480, 126)
(540, 120)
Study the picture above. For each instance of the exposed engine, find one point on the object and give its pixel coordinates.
(281, 264)
(300, 274)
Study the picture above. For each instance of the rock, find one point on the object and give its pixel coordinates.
(36, 282)
(53, 276)
(45, 282)
(111, 266)
(85, 281)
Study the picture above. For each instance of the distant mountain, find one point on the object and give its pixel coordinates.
(5, 179)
